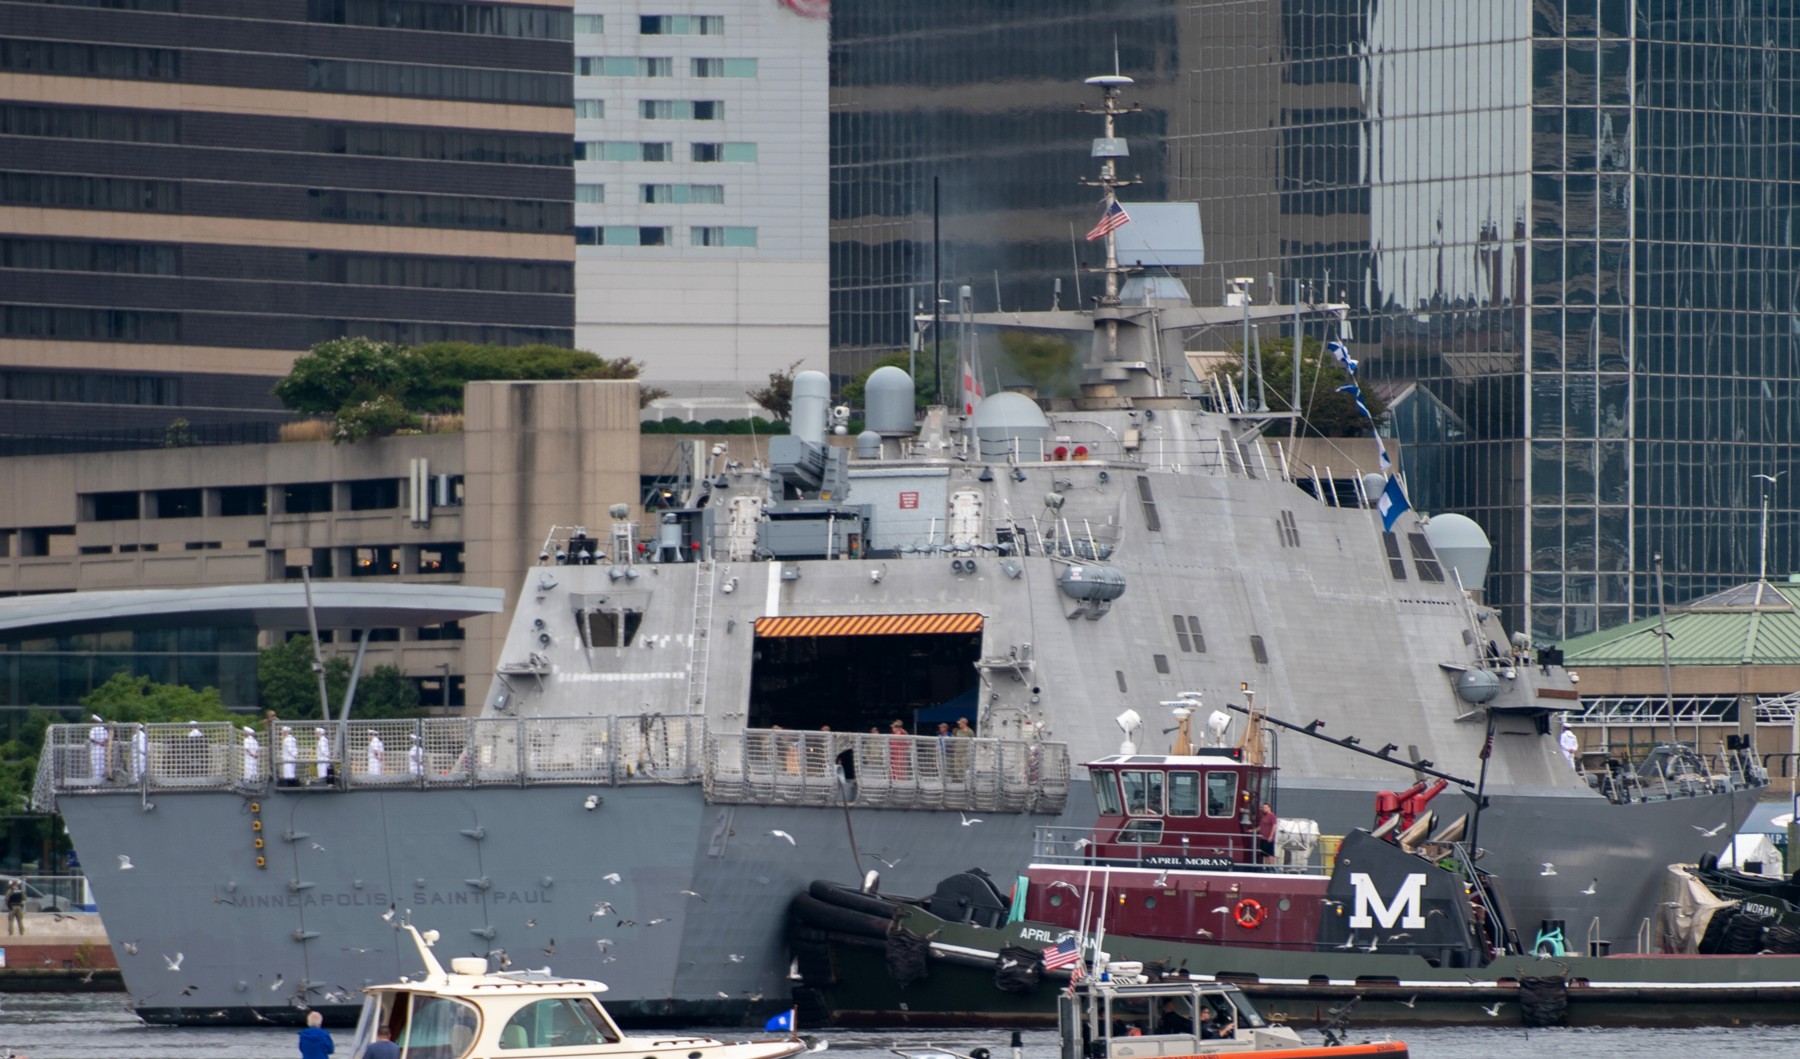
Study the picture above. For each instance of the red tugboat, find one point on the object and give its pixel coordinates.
(1176, 846)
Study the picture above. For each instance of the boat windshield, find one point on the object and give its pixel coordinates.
(1247, 1015)
(439, 1028)
(558, 1022)
(1106, 793)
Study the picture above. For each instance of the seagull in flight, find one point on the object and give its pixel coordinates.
(1494, 1012)
(388, 916)
(1592, 888)
(130, 948)
(276, 984)
(1709, 834)
(886, 863)
(778, 833)
(604, 908)
(125, 863)
(1549, 869)
(1349, 942)
(1373, 942)
(690, 893)
(1411, 1001)
(967, 819)
(1222, 909)
(175, 964)
(1203, 933)
(610, 877)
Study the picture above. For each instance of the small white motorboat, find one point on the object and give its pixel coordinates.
(469, 1013)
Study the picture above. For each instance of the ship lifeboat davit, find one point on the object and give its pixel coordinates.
(1090, 583)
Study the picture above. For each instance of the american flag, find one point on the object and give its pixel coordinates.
(1113, 219)
(1062, 954)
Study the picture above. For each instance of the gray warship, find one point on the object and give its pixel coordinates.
(691, 718)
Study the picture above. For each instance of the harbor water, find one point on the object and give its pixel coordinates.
(101, 1026)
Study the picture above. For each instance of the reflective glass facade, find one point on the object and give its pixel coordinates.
(1563, 227)
(58, 670)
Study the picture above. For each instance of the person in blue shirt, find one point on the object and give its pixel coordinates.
(384, 1046)
(315, 1043)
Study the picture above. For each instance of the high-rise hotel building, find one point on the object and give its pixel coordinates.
(194, 192)
(701, 181)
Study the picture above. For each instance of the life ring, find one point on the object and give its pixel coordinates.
(1249, 913)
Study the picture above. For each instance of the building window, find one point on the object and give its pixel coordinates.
(623, 151)
(723, 152)
(375, 494)
(681, 109)
(441, 559)
(595, 24)
(590, 235)
(377, 561)
(306, 498)
(590, 192)
(657, 152)
(717, 235)
(649, 236)
(681, 194)
(681, 25)
(236, 501)
(633, 235)
(723, 67)
(450, 630)
(624, 66)
(590, 109)
(177, 503)
(114, 507)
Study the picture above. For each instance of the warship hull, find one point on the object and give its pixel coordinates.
(521, 870)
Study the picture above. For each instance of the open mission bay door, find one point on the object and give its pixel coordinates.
(857, 672)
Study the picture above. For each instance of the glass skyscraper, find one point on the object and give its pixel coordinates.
(1564, 228)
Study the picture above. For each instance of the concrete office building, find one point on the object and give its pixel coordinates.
(193, 192)
(701, 190)
(1563, 229)
(466, 508)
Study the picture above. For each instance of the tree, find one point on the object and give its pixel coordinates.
(125, 699)
(778, 396)
(1045, 362)
(286, 684)
(375, 388)
(1325, 410)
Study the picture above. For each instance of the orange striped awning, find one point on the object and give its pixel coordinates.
(869, 625)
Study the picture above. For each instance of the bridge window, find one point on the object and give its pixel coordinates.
(1184, 794)
(1143, 832)
(1106, 794)
(1221, 793)
(1143, 793)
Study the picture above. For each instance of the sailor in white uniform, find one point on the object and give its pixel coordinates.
(1570, 743)
(322, 752)
(415, 757)
(140, 752)
(290, 756)
(99, 740)
(252, 756)
(377, 754)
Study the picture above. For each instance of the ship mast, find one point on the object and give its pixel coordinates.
(1109, 148)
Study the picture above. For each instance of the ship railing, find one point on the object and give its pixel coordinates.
(424, 753)
(1075, 846)
(772, 766)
